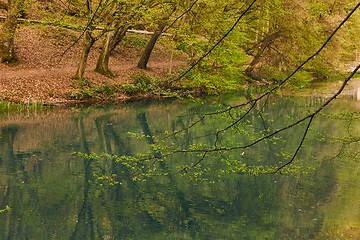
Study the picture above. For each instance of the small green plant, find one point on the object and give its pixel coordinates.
(301, 80)
(9, 107)
(142, 84)
(129, 88)
(213, 83)
(6, 209)
(142, 79)
(104, 91)
(135, 42)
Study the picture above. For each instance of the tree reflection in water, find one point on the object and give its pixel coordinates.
(54, 195)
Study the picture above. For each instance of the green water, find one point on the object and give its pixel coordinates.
(56, 195)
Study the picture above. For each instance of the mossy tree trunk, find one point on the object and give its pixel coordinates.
(7, 34)
(112, 39)
(88, 43)
(142, 64)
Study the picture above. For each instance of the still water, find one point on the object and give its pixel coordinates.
(54, 194)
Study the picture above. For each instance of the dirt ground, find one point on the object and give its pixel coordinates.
(47, 63)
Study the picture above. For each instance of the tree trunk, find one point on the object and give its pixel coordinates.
(7, 34)
(249, 71)
(261, 46)
(150, 46)
(112, 40)
(89, 42)
(102, 65)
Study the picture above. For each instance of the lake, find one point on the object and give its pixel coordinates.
(160, 190)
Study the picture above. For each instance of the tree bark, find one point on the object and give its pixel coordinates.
(111, 41)
(89, 42)
(7, 34)
(150, 46)
(249, 71)
(261, 46)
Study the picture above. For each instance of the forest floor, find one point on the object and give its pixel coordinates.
(46, 65)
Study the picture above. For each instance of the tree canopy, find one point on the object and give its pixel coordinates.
(264, 40)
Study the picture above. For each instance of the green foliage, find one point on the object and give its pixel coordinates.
(6, 107)
(207, 83)
(132, 41)
(6, 209)
(275, 38)
(60, 36)
(138, 167)
(357, 75)
(301, 80)
(9, 107)
(99, 92)
(321, 71)
(222, 71)
(142, 83)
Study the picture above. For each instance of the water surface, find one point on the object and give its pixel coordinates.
(56, 195)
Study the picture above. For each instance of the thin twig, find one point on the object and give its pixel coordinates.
(299, 147)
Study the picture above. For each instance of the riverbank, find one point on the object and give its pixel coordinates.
(46, 76)
(327, 89)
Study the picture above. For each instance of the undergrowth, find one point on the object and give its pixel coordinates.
(9, 107)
